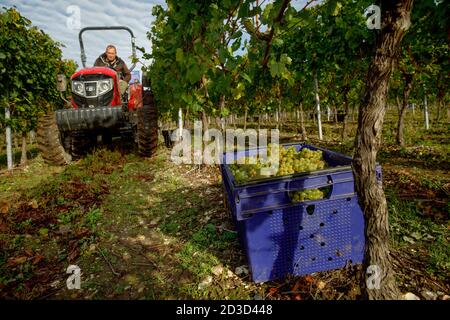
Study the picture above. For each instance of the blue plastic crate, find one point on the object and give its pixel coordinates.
(282, 238)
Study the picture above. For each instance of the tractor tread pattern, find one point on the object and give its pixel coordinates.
(147, 127)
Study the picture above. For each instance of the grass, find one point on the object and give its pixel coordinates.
(32, 153)
(410, 228)
(147, 229)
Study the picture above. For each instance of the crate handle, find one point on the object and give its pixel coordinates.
(318, 182)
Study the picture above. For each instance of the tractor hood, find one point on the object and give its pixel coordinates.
(95, 70)
(95, 87)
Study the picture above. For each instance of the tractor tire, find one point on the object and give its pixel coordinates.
(147, 127)
(49, 141)
(81, 145)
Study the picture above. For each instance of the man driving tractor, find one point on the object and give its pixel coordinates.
(110, 59)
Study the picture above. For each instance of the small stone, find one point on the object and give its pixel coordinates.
(410, 296)
(205, 283)
(217, 270)
(154, 221)
(64, 229)
(408, 239)
(258, 297)
(321, 285)
(242, 270)
(131, 279)
(446, 297)
(429, 295)
(126, 256)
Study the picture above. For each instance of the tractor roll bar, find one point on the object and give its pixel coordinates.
(133, 44)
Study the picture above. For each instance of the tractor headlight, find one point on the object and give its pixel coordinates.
(104, 86)
(78, 88)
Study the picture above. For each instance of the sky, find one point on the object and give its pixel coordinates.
(59, 18)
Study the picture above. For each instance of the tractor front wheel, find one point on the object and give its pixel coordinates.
(49, 141)
(81, 144)
(147, 127)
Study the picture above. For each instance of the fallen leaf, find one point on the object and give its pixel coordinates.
(308, 279)
(81, 233)
(410, 296)
(296, 285)
(217, 270)
(273, 291)
(4, 208)
(33, 203)
(16, 261)
(3, 227)
(38, 258)
(73, 255)
(131, 279)
(321, 285)
(297, 297)
(205, 283)
(416, 235)
(408, 239)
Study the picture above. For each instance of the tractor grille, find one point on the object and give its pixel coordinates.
(91, 89)
(101, 101)
(90, 86)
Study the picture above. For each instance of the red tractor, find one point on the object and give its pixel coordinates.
(98, 112)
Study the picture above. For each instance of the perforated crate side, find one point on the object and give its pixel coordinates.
(300, 241)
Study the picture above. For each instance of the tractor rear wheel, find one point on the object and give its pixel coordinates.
(49, 141)
(147, 127)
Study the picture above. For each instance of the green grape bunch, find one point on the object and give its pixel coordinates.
(305, 195)
(291, 161)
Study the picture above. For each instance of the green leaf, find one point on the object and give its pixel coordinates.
(236, 45)
(275, 68)
(237, 35)
(285, 59)
(337, 9)
(246, 77)
(244, 10)
(179, 55)
(193, 74)
(223, 55)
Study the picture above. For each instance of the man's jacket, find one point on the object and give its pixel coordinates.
(118, 65)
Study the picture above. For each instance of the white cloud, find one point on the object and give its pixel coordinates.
(51, 16)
